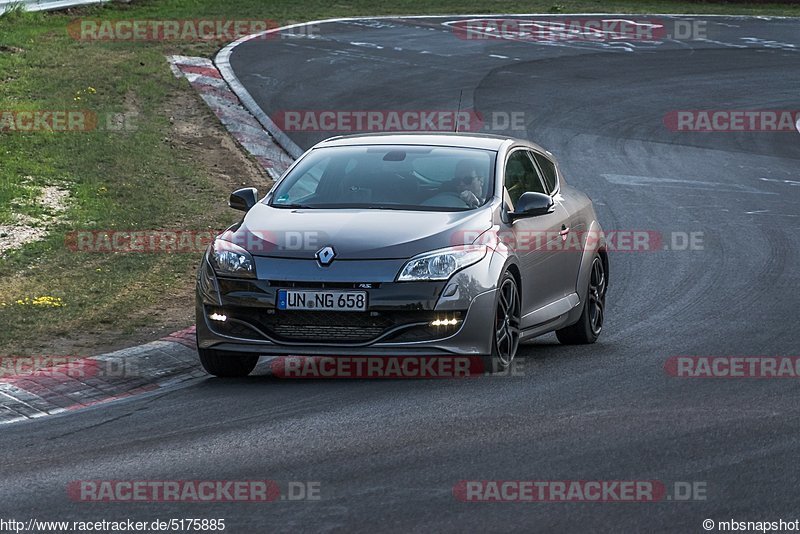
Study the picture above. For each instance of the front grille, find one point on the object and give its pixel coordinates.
(299, 332)
(292, 326)
(322, 326)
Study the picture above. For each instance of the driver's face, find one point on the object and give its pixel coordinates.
(473, 182)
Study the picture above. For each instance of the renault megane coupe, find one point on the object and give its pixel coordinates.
(404, 245)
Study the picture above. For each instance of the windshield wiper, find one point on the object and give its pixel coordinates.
(293, 206)
(413, 207)
(393, 207)
(398, 207)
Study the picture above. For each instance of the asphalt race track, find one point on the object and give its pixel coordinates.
(388, 453)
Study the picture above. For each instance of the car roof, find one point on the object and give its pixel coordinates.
(451, 139)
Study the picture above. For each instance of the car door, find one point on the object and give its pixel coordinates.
(535, 239)
(572, 231)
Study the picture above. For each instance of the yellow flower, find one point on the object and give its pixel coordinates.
(92, 90)
(44, 301)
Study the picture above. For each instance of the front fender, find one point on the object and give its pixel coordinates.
(594, 243)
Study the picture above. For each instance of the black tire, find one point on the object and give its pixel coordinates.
(227, 364)
(505, 330)
(590, 324)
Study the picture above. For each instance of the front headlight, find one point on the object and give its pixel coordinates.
(231, 259)
(441, 264)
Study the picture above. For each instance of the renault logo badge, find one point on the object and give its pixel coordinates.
(325, 255)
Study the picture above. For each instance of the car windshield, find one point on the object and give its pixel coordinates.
(389, 177)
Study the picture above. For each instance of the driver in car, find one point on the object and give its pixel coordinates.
(469, 183)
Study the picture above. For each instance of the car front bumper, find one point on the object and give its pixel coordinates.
(397, 322)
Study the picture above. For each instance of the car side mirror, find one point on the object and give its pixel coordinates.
(531, 204)
(243, 199)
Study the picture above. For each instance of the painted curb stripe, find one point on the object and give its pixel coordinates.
(105, 378)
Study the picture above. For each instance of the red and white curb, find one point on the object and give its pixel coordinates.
(89, 381)
(207, 80)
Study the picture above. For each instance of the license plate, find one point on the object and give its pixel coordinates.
(290, 299)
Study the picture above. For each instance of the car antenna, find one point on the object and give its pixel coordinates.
(458, 113)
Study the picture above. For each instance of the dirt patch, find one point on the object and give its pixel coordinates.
(198, 131)
(11, 49)
(27, 229)
(54, 199)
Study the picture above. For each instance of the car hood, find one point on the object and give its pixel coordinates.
(355, 233)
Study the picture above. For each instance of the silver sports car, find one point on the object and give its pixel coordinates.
(404, 245)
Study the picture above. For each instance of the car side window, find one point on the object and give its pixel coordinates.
(548, 170)
(521, 177)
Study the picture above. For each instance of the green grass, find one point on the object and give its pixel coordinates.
(136, 179)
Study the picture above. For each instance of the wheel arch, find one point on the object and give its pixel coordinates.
(603, 253)
(513, 268)
(600, 248)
